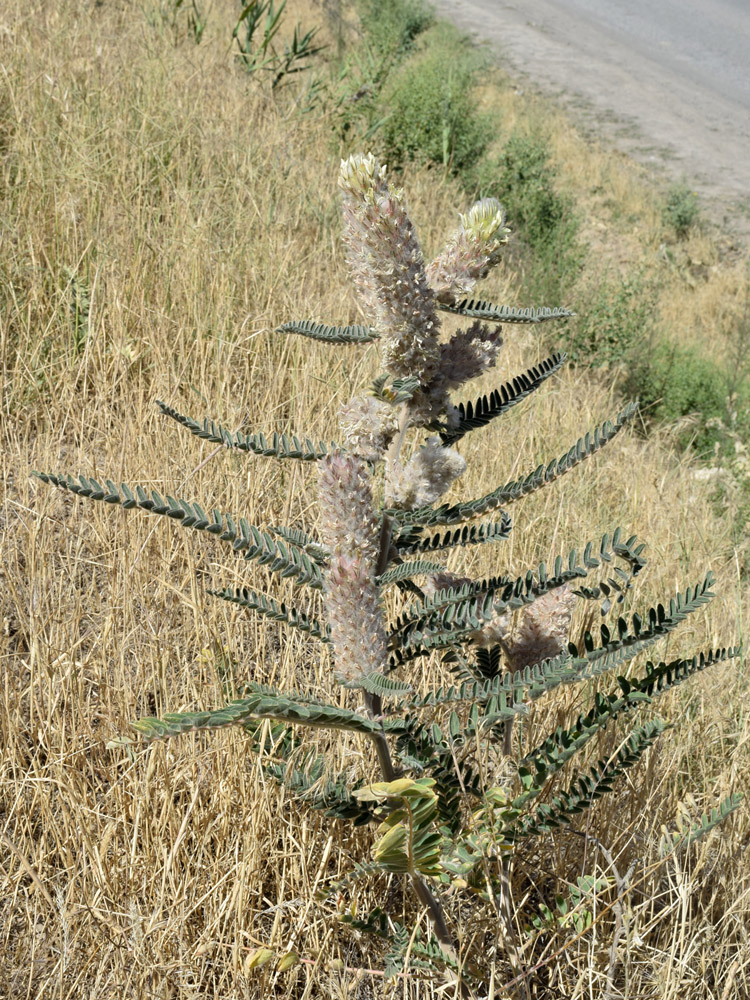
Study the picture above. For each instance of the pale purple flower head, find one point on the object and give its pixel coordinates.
(468, 354)
(443, 581)
(387, 266)
(350, 529)
(348, 522)
(541, 633)
(360, 642)
(427, 475)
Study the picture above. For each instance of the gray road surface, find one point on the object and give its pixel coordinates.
(666, 80)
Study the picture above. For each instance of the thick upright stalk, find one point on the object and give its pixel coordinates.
(373, 701)
(437, 917)
(381, 744)
(375, 708)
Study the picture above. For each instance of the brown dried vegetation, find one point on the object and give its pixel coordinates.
(196, 214)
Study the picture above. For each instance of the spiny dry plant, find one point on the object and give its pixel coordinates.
(469, 789)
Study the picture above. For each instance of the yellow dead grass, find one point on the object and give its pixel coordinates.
(196, 215)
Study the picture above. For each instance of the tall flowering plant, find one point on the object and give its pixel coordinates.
(460, 794)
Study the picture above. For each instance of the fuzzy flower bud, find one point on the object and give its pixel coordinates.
(350, 529)
(427, 475)
(369, 425)
(541, 633)
(485, 223)
(470, 253)
(359, 174)
(387, 266)
(467, 355)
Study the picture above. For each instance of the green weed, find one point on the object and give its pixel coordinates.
(616, 316)
(545, 219)
(674, 382)
(432, 113)
(680, 211)
(391, 26)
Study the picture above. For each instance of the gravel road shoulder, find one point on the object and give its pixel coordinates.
(642, 95)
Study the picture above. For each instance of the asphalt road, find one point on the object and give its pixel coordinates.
(667, 81)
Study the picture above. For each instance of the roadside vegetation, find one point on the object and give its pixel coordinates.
(166, 204)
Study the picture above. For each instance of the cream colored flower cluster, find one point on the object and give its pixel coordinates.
(470, 252)
(425, 477)
(369, 426)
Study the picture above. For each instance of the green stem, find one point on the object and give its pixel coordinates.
(374, 702)
(381, 744)
(375, 707)
(439, 926)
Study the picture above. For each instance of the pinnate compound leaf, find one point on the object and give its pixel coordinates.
(278, 612)
(303, 541)
(382, 685)
(331, 334)
(530, 683)
(406, 570)
(275, 446)
(454, 595)
(308, 782)
(264, 704)
(546, 759)
(260, 546)
(663, 677)
(487, 408)
(688, 833)
(542, 476)
(437, 620)
(597, 782)
(551, 755)
(476, 534)
(476, 309)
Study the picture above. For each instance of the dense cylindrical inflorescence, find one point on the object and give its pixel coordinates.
(369, 425)
(388, 269)
(350, 529)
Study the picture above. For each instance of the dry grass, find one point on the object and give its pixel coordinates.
(196, 215)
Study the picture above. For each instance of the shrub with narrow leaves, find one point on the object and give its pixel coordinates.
(460, 792)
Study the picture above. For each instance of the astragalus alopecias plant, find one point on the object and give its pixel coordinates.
(462, 791)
